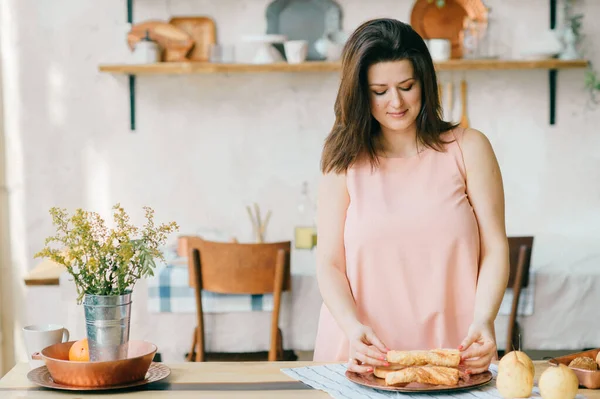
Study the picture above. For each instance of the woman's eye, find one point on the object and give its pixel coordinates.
(379, 93)
(406, 88)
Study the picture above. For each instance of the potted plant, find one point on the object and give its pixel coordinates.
(592, 82)
(105, 264)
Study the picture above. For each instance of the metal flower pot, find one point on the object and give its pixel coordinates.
(107, 320)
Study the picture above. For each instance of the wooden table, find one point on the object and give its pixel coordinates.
(203, 380)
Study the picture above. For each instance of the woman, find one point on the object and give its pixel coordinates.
(412, 247)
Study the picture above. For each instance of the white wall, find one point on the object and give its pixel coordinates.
(206, 146)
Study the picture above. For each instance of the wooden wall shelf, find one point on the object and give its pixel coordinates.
(188, 68)
(552, 65)
(482, 65)
(184, 68)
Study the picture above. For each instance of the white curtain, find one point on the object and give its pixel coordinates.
(4, 247)
(3, 255)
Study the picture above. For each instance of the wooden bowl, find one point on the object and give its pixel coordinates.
(97, 374)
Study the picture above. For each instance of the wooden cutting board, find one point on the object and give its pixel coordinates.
(203, 32)
(175, 42)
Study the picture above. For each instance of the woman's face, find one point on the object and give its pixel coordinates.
(395, 95)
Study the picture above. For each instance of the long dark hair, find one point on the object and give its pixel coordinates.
(354, 133)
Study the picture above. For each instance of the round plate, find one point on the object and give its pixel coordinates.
(369, 380)
(41, 376)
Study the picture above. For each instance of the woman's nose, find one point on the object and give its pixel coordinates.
(396, 100)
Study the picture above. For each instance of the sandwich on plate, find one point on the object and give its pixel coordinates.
(434, 367)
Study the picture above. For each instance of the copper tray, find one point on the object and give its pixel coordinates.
(447, 22)
(41, 376)
(97, 374)
(587, 378)
(369, 380)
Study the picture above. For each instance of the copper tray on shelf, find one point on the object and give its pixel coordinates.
(587, 378)
(446, 22)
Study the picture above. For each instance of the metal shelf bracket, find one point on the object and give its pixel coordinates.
(553, 72)
(131, 77)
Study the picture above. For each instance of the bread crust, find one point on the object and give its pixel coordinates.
(382, 372)
(586, 363)
(434, 375)
(434, 357)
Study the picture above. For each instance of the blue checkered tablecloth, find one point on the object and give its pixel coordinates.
(169, 292)
(331, 378)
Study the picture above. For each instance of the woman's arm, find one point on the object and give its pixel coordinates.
(486, 194)
(333, 201)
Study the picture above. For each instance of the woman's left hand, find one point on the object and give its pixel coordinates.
(478, 349)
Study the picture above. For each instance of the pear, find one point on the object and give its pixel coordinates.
(558, 382)
(515, 376)
(521, 357)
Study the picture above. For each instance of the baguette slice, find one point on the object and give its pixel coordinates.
(435, 357)
(434, 375)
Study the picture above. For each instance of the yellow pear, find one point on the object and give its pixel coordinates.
(515, 376)
(520, 357)
(558, 383)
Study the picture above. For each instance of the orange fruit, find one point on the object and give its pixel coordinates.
(79, 351)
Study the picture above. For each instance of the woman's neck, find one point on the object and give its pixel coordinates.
(398, 144)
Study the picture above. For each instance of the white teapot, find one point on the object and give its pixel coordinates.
(331, 45)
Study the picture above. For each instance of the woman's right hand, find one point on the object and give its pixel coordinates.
(366, 350)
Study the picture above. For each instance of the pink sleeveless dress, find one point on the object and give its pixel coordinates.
(412, 253)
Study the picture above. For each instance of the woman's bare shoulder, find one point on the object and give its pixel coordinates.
(471, 138)
(477, 151)
(332, 181)
(474, 140)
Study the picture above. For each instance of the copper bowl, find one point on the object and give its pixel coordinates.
(97, 374)
(587, 378)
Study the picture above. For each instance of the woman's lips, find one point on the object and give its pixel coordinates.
(397, 114)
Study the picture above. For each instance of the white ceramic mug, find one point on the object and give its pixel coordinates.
(40, 336)
(296, 51)
(440, 49)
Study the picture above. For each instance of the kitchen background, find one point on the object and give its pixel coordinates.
(208, 145)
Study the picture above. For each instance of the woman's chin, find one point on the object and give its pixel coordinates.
(399, 125)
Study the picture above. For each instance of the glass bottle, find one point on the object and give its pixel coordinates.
(305, 231)
(488, 37)
(469, 39)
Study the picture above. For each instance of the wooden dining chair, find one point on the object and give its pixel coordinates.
(233, 268)
(520, 249)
